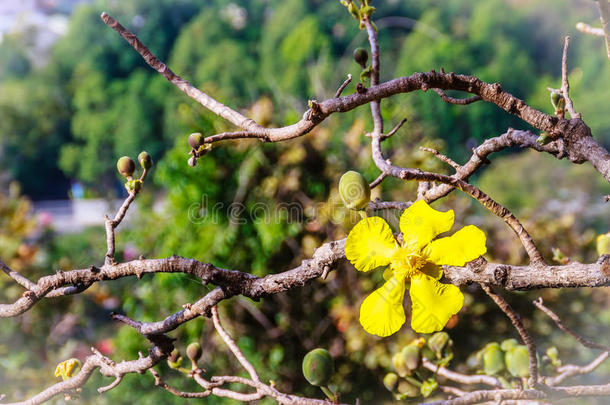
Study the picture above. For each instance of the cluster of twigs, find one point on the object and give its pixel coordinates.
(570, 138)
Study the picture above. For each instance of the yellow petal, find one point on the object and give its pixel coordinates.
(458, 249)
(432, 270)
(382, 313)
(370, 244)
(433, 303)
(420, 223)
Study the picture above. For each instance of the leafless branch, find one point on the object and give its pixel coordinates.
(441, 157)
(462, 378)
(343, 86)
(583, 341)
(587, 29)
(377, 181)
(565, 84)
(604, 15)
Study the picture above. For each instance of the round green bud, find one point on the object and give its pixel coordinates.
(318, 367)
(145, 160)
(194, 352)
(517, 361)
(195, 140)
(410, 356)
(354, 190)
(126, 166)
(493, 359)
(361, 56)
(438, 342)
(508, 344)
(390, 381)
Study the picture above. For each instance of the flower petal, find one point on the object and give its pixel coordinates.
(382, 313)
(458, 249)
(370, 244)
(433, 303)
(420, 223)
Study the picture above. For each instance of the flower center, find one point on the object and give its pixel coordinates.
(408, 261)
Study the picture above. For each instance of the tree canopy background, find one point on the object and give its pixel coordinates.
(95, 100)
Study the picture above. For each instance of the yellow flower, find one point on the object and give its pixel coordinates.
(371, 244)
(67, 368)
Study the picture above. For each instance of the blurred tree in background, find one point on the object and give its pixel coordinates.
(96, 100)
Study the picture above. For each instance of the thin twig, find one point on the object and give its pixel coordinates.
(441, 157)
(378, 180)
(458, 101)
(587, 29)
(233, 346)
(570, 370)
(112, 224)
(344, 85)
(462, 378)
(19, 279)
(394, 130)
(525, 336)
(604, 15)
(583, 341)
(565, 84)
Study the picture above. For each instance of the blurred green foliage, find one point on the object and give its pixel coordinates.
(263, 208)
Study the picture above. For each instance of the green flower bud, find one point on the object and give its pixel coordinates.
(361, 56)
(195, 140)
(145, 160)
(174, 360)
(390, 381)
(318, 367)
(410, 356)
(194, 352)
(438, 341)
(508, 344)
(517, 361)
(555, 98)
(408, 389)
(603, 244)
(493, 359)
(126, 166)
(354, 190)
(428, 387)
(398, 362)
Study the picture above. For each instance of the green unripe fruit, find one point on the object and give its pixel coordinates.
(493, 359)
(408, 389)
(603, 244)
(410, 356)
(195, 140)
(354, 190)
(145, 160)
(517, 361)
(126, 166)
(390, 381)
(361, 56)
(508, 344)
(318, 367)
(438, 341)
(194, 352)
